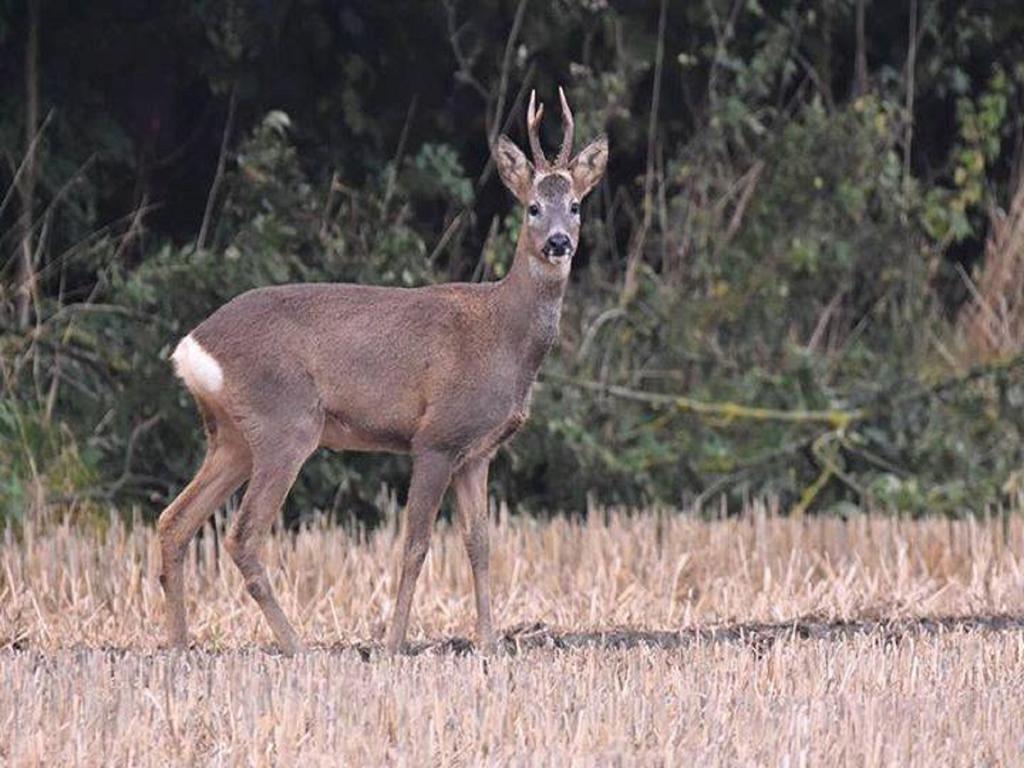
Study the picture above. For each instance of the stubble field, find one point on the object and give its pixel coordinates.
(654, 638)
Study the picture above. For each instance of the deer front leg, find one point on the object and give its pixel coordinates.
(431, 473)
(470, 485)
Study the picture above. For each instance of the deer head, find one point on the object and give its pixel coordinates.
(551, 193)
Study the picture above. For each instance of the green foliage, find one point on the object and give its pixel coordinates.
(792, 250)
(438, 172)
(981, 124)
(42, 460)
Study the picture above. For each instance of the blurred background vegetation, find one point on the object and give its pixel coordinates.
(802, 276)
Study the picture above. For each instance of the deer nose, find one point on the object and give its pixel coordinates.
(558, 245)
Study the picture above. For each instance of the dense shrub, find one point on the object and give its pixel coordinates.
(783, 239)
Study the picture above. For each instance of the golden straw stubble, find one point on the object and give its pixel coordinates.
(757, 639)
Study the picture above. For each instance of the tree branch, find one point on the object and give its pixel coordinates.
(636, 249)
(727, 410)
(218, 177)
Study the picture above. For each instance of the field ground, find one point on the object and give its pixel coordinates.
(655, 639)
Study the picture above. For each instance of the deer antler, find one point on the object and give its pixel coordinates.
(568, 126)
(533, 116)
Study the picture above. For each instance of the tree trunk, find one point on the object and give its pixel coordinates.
(909, 106)
(860, 81)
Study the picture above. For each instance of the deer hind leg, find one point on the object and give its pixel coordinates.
(224, 469)
(470, 484)
(276, 465)
(431, 473)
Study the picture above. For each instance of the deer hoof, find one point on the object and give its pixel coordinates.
(489, 646)
(180, 643)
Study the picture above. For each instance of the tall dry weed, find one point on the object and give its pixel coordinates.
(991, 326)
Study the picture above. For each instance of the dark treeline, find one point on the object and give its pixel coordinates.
(802, 275)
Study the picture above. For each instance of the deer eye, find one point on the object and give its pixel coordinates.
(534, 209)
(574, 209)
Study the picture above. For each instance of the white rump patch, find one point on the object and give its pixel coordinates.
(196, 366)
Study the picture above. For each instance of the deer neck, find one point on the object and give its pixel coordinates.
(532, 299)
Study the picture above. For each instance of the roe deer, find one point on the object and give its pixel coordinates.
(443, 372)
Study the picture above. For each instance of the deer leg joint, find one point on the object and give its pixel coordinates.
(257, 587)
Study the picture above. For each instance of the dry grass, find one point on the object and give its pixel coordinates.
(781, 641)
(991, 324)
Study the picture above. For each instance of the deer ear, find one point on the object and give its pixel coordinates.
(513, 167)
(588, 166)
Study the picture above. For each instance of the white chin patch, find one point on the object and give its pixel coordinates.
(551, 267)
(196, 367)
